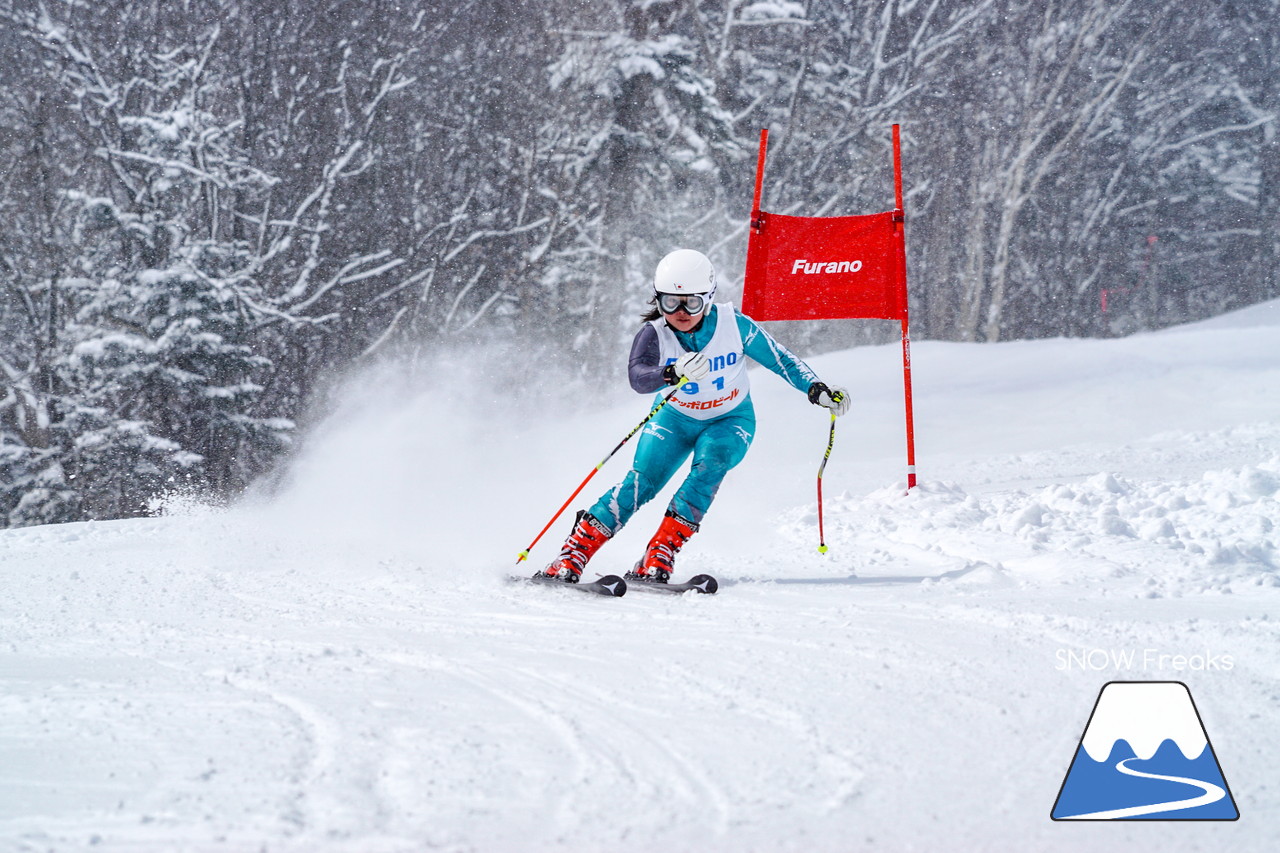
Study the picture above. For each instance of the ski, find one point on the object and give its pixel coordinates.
(610, 585)
(705, 584)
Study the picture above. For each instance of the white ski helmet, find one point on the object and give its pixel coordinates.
(685, 272)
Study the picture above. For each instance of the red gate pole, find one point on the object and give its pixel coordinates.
(899, 225)
(911, 429)
(756, 223)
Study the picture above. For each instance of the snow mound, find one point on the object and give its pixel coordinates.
(1214, 534)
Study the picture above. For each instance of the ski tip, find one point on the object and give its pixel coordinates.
(704, 584)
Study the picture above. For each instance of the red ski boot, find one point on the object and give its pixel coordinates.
(659, 558)
(587, 536)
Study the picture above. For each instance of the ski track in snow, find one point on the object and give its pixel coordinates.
(345, 670)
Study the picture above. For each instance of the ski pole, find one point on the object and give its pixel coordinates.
(831, 440)
(666, 399)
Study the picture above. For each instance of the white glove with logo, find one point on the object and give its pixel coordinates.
(835, 399)
(692, 366)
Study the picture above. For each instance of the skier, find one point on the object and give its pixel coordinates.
(711, 416)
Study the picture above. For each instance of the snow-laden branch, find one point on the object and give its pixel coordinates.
(1197, 138)
(165, 163)
(346, 275)
(492, 233)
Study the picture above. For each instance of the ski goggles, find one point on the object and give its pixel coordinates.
(670, 303)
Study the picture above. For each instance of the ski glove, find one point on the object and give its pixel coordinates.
(692, 366)
(835, 399)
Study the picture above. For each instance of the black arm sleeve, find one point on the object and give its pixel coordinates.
(644, 369)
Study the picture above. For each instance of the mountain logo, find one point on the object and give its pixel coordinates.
(1144, 755)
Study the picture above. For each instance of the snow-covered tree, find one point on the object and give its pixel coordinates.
(652, 146)
(1251, 36)
(146, 380)
(1083, 131)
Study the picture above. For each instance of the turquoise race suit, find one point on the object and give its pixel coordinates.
(712, 419)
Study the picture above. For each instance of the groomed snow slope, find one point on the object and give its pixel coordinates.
(341, 668)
